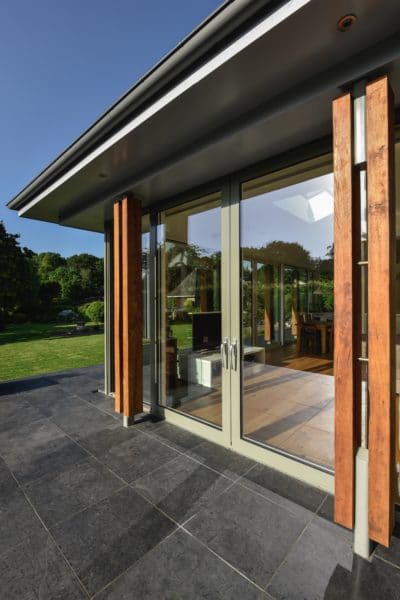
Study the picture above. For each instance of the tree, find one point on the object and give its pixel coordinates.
(69, 280)
(94, 311)
(9, 249)
(49, 292)
(280, 252)
(89, 269)
(37, 284)
(18, 279)
(47, 263)
(28, 285)
(70, 285)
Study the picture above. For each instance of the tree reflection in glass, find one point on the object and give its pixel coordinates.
(190, 292)
(287, 311)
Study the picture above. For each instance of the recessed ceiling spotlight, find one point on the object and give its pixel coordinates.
(346, 22)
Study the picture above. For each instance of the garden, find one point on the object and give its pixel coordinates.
(51, 310)
(33, 349)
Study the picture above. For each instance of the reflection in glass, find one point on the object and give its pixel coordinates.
(189, 239)
(287, 311)
(146, 307)
(397, 288)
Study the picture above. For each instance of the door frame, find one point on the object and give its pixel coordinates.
(230, 435)
(209, 431)
(274, 459)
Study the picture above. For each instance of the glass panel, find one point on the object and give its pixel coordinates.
(286, 241)
(290, 303)
(364, 403)
(363, 323)
(364, 264)
(146, 308)
(189, 239)
(397, 287)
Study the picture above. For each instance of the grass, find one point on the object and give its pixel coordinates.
(183, 333)
(33, 349)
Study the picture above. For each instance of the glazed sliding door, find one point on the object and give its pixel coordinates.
(146, 308)
(245, 334)
(193, 258)
(282, 318)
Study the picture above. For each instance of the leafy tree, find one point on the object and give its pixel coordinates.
(47, 263)
(38, 284)
(49, 292)
(69, 280)
(280, 252)
(27, 300)
(89, 269)
(94, 311)
(70, 285)
(18, 280)
(9, 250)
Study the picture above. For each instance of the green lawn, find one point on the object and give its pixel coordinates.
(183, 333)
(41, 348)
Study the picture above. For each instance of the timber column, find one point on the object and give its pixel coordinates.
(347, 309)
(381, 312)
(128, 315)
(364, 350)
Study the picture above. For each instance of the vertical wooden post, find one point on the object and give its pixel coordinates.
(132, 314)
(346, 349)
(117, 308)
(381, 340)
(128, 315)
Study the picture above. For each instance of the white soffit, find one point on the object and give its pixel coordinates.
(254, 34)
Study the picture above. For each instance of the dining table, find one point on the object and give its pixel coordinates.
(323, 327)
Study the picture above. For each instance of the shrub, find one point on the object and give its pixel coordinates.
(188, 304)
(18, 318)
(94, 311)
(67, 316)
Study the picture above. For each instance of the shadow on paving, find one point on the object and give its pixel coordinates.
(19, 386)
(89, 508)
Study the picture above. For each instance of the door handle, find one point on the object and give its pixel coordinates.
(233, 350)
(224, 353)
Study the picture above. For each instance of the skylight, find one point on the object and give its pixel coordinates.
(311, 207)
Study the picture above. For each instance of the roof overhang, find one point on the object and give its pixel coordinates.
(265, 92)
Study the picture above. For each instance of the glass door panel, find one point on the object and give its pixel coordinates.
(290, 304)
(146, 307)
(252, 272)
(190, 267)
(286, 282)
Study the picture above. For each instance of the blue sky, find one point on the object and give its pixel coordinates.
(61, 65)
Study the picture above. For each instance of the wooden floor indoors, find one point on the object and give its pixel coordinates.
(288, 403)
(287, 356)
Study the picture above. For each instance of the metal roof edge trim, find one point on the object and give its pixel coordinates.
(225, 21)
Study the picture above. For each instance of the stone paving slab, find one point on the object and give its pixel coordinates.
(89, 509)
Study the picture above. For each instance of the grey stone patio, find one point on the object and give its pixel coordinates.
(90, 509)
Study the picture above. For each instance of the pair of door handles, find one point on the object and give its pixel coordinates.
(229, 353)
